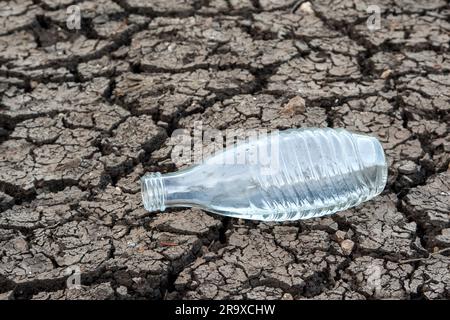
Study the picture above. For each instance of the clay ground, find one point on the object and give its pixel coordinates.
(84, 113)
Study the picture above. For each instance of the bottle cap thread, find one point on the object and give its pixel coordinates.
(153, 191)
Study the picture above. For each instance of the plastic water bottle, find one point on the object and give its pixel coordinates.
(293, 174)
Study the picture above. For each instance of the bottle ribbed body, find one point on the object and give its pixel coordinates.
(322, 171)
(312, 172)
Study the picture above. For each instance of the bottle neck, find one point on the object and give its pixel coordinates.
(153, 192)
(160, 191)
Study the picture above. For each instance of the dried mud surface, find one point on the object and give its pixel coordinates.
(84, 113)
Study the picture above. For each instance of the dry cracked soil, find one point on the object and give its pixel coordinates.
(85, 112)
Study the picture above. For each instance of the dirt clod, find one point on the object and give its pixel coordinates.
(347, 246)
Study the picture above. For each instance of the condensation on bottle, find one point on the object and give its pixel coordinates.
(288, 175)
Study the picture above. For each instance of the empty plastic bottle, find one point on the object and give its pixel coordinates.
(306, 173)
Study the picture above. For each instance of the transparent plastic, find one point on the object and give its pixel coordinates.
(311, 173)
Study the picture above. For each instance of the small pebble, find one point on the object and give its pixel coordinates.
(408, 167)
(340, 236)
(386, 74)
(347, 246)
(287, 296)
(122, 290)
(306, 8)
(295, 106)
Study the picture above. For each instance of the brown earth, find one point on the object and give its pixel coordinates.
(84, 113)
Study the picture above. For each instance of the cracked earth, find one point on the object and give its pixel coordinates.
(84, 113)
